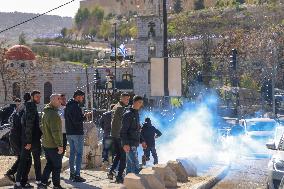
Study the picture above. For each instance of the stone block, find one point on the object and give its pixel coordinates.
(189, 167)
(132, 181)
(167, 174)
(152, 178)
(179, 170)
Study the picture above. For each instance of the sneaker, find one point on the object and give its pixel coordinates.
(27, 185)
(119, 180)
(79, 179)
(110, 175)
(17, 187)
(10, 177)
(58, 187)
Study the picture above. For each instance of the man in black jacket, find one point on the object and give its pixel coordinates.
(149, 133)
(31, 135)
(105, 124)
(15, 138)
(130, 135)
(75, 134)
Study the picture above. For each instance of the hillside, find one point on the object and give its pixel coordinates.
(43, 26)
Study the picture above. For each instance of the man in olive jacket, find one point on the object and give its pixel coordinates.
(52, 142)
(120, 156)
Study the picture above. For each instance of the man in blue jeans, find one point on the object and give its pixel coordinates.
(130, 135)
(75, 134)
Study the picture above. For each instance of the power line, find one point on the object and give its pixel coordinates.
(36, 17)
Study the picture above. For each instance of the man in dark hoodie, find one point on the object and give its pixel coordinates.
(130, 135)
(149, 133)
(105, 124)
(31, 135)
(120, 156)
(52, 142)
(15, 138)
(75, 134)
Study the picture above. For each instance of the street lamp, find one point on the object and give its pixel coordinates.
(115, 56)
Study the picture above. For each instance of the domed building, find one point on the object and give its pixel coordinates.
(28, 72)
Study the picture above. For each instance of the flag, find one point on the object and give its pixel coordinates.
(122, 49)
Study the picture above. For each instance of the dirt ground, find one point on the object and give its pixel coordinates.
(5, 163)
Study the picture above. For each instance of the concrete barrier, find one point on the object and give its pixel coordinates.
(179, 170)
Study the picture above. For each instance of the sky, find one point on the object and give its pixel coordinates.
(40, 6)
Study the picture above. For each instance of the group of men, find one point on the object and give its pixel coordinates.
(123, 134)
(30, 134)
(61, 122)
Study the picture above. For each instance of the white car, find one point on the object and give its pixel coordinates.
(276, 163)
(258, 131)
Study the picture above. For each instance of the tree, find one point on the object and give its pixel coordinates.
(199, 4)
(105, 30)
(22, 39)
(64, 32)
(98, 13)
(178, 6)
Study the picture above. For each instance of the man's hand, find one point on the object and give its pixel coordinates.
(144, 145)
(60, 150)
(28, 146)
(126, 148)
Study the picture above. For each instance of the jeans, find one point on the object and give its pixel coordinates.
(53, 165)
(107, 143)
(76, 143)
(132, 165)
(120, 157)
(153, 152)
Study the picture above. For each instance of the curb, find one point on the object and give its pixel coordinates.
(219, 175)
(5, 182)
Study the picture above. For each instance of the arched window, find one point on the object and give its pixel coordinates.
(47, 92)
(16, 90)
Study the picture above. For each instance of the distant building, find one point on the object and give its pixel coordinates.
(125, 7)
(54, 76)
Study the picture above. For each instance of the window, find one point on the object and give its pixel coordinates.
(47, 92)
(16, 90)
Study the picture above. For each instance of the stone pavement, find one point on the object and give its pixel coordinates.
(95, 180)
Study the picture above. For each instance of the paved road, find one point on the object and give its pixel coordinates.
(245, 173)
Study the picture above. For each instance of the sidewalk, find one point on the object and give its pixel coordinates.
(95, 180)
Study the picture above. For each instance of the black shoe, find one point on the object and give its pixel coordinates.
(42, 186)
(58, 187)
(119, 180)
(17, 187)
(10, 177)
(79, 179)
(27, 185)
(110, 175)
(72, 176)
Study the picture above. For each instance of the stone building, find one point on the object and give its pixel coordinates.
(54, 76)
(149, 44)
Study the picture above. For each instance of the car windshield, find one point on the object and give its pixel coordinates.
(261, 126)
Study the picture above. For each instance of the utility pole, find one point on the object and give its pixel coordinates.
(165, 49)
(115, 56)
(88, 88)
